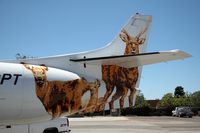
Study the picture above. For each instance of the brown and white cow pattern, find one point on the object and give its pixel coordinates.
(123, 79)
(63, 96)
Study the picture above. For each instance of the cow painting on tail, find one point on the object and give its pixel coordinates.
(66, 96)
(69, 96)
(63, 96)
(123, 79)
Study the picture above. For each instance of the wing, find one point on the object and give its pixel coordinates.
(135, 60)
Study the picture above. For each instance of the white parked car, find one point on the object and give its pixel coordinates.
(60, 125)
(182, 111)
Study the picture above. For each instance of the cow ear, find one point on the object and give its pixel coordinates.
(142, 40)
(27, 66)
(44, 67)
(124, 35)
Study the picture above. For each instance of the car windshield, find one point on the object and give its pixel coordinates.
(180, 109)
(184, 108)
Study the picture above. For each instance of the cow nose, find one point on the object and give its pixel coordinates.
(133, 52)
(39, 78)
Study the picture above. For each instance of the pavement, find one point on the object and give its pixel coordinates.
(135, 125)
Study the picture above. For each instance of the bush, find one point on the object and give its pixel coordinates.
(139, 111)
(147, 111)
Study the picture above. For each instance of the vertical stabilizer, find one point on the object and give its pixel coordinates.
(134, 32)
(132, 39)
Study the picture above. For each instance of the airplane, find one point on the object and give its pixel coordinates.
(46, 88)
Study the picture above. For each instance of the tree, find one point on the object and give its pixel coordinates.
(195, 99)
(167, 100)
(140, 100)
(179, 91)
(141, 107)
(181, 101)
(167, 103)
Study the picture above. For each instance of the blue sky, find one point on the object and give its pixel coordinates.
(52, 27)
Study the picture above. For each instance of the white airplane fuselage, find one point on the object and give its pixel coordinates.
(18, 99)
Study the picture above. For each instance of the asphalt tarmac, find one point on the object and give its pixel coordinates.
(135, 125)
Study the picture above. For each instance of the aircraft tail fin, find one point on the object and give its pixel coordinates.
(132, 39)
(134, 34)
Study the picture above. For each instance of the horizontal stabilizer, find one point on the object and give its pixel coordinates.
(129, 61)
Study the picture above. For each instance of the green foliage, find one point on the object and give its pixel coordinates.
(167, 100)
(139, 111)
(195, 99)
(170, 101)
(141, 107)
(179, 91)
(167, 103)
(181, 101)
(140, 101)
